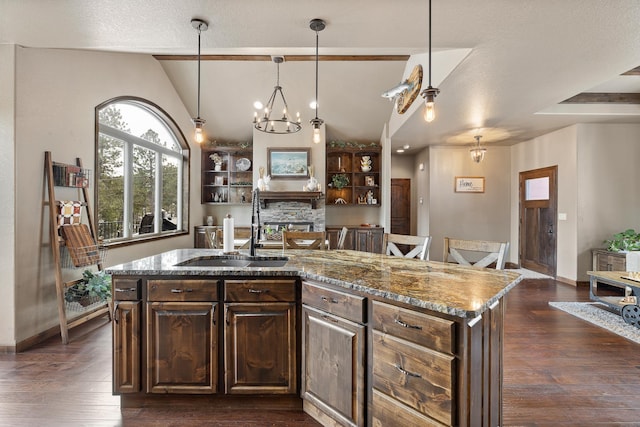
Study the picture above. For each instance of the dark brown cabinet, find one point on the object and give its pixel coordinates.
(182, 336)
(127, 309)
(333, 366)
(260, 337)
(413, 366)
(227, 175)
(360, 164)
(365, 239)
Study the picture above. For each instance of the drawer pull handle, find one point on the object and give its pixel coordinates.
(325, 317)
(406, 325)
(126, 289)
(179, 291)
(407, 373)
(257, 291)
(331, 300)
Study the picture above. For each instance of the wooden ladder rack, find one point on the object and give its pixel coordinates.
(57, 242)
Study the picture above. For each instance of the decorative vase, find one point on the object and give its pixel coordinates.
(218, 167)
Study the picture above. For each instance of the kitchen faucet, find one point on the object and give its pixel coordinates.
(255, 222)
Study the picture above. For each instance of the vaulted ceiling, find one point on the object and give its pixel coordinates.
(504, 67)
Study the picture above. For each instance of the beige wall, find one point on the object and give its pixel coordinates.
(56, 93)
(7, 194)
(608, 181)
(483, 216)
(556, 148)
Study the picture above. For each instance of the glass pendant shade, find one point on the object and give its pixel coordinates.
(477, 152)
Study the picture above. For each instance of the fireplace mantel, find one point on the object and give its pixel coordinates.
(290, 196)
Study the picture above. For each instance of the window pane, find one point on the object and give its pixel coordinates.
(110, 188)
(142, 160)
(144, 182)
(169, 193)
(537, 189)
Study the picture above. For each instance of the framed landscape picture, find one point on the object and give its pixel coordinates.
(288, 163)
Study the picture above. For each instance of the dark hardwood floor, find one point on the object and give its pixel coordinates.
(558, 371)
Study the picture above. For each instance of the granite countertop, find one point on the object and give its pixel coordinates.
(446, 288)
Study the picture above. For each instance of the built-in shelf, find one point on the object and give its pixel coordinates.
(290, 196)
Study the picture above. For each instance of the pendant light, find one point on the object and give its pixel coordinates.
(316, 25)
(477, 152)
(430, 93)
(276, 125)
(200, 26)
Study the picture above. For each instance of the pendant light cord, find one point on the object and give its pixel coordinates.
(199, 32)
(317, 38)
(429, 43)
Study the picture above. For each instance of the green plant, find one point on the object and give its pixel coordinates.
(627, 240)
(92, 287)
(340, 181)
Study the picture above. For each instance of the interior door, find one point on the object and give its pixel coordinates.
(538, 220)
(401, 206)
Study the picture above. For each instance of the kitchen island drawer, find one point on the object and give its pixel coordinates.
(421, 328)
(259, 290)
(416, 376)
(389, 412)
(182, 290)
(351, 307)
(126, 289)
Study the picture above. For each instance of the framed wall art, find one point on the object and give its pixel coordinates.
(469, 184)
(288, 163)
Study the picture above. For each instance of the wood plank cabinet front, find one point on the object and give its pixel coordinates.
(127, 312)
(182, 336)
(333, 365)
(604, 260)
(260, 337)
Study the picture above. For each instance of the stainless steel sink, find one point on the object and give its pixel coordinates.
(234, 261)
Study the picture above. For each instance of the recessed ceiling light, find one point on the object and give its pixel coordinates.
(399, 150)
(258, 105)
(406, 146)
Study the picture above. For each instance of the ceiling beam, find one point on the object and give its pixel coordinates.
(632, 72)
(288, 58)
(603, 98)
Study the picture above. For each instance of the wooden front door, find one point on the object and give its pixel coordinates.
(401, 206)
(538, 220)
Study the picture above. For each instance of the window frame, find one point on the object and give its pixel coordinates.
(130, 140)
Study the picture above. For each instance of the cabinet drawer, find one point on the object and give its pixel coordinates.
(126, 289)
(423, 329)
(259, 290)
(351, 307)
(417, 376)
(182, 290)
(389, 412)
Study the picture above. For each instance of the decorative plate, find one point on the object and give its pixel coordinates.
(243, 164)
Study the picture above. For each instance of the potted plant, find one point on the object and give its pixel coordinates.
(339, 181)
(625, 241)
(91, 288)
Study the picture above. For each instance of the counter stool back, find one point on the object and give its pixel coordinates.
(304, 240)
(342, 237)
(416, 246)
(461, 251)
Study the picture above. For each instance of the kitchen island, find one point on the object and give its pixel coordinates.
(353, 338)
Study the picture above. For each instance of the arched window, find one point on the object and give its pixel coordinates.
(142, 163)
